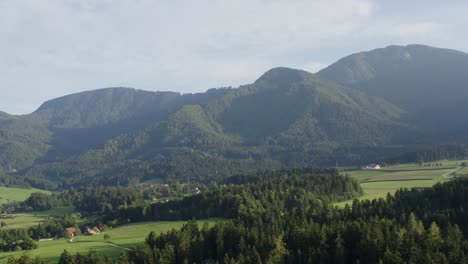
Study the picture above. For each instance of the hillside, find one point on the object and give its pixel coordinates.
(286, 118)
(69, 125)
(414, 77)
(22, 141)
(429, 83)
(301, 119)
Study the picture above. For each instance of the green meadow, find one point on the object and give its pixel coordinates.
(8, 194)
(29, 219)
(463, 171)
(378, 183)
(121, 239)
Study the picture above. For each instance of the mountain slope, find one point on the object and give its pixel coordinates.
(286, 118)
(70, 125)
(414, 77)
(22, 141)
(430, 84)
(302, 120)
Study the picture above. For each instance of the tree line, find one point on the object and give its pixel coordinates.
(413, 226)
(284, 190)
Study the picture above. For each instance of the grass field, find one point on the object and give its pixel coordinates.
(378, 183)
(414, 166)
(364, 175)
(25, 220)
(8, 194)
(463, 171)
(122, 237)
(410, 175)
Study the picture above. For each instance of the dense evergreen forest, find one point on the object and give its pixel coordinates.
(414, 226)
(287, 216)
(286, 191)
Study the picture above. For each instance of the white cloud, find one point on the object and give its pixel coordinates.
(59, 47)
(54, 47)
(417, 30)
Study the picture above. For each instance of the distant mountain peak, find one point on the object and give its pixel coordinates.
(90, 93)
(283, 76)
(414, 77)
(368, 65)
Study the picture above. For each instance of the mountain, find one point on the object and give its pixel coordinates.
(69, 125)
(430, 84)
(22, 141)
(367, 107)
(88, 119)
(415, 77)
(287, 117)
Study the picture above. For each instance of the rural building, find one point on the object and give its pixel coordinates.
(72, 231)
(372, 167)
(196, 190)
(94, 231)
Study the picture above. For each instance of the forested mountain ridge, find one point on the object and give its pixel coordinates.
(413, 77)
(69, 125)
(286, 118)
(348, 113)
(430, 84)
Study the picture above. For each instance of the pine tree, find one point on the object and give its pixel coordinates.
(66, 258)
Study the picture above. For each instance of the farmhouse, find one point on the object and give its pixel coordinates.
(94, 231)
(72, 231)
(372, 167)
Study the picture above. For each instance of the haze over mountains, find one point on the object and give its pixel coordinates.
(366, 107)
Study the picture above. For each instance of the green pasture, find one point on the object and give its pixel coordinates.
(25, 220)
(9, 194)
(409, 175)
(121, 239)
(446, 164)
(378, 183)
(364, 175)
(463, 171)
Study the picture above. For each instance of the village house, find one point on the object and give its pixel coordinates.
(196, 190)
(372, 167)
(94, 231)
(73, 231)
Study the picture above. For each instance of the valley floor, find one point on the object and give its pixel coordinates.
(121, 239)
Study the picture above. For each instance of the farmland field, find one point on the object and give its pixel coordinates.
(463, 171)
(364, 175)
(25, 220)
(122, 237)
(8, 194)
(377, 183)
(410, 175)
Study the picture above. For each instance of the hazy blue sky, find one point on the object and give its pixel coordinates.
(51, 48)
